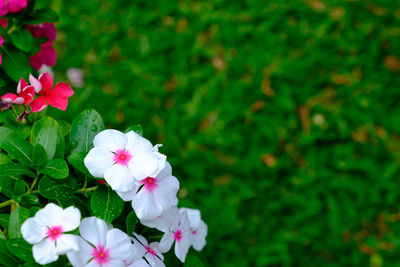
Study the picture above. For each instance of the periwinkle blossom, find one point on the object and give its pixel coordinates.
(181, 234)
(26, 92)
(47, 54)
(163, 222)
(120, 158)
(153, 195)
(145, 254)
(47, 231)
(198, 227)
(12, 6)
(56, 97)
(100, 246)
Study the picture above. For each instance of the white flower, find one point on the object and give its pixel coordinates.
(181, 233)
(163, 222)
(46, 230)
(120, 158)
(100, 246)
(198, 227)
(154, 194)
(150, 253)
(75, 76)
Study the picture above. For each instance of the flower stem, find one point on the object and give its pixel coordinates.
(6, 203)
(86, 190)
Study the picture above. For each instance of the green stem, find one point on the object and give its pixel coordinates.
(86, 190)
(33, 184)
(6, 203)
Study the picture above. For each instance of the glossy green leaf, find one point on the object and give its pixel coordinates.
(106, 204)
(56, 190)
(56, 168)
(192, 261)
(39, 156)
(13, 169)
(136, 128)
(84, 128)
(43, 15)
(20, 249)
(17, 217)
(4, 219)
(15, 145)
(44, 132)
(131, 221)
(76, 160)
(22, 39)
(15, 63)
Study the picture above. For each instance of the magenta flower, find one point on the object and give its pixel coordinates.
(56, 97)
(47, 54)
(1, 44)
(12, 6)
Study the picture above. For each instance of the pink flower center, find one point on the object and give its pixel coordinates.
(54, 232)
(101, 255)
(178, 235)
(194, 232)
(122, 157)
(150, 250)
(150, 183)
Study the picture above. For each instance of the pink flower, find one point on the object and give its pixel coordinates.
(25, 92)
(56, 97)
(3, 22)
(45, 56)
(44, 30)
(12, 6)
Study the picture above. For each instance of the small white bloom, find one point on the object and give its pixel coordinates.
(46, 231)
(100, 246)
(154, 194)
(181, 233)
(75, 76)
(149, 252)
(163, 222)
(198, 227)
(120, 158)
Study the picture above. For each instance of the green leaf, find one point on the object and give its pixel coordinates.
(43, 15)
(56, 168)
(16, 146)
(131, 221)
(30, 200)
(84, 128)
(4, 219)
(76, 160)
(193, 261)
(44, 132)
(5, 256)
(18, 216)
(19, 187)
(22, 39)
(39, 156)
(13, 169)
(4, 159)
(136, 128)
(7, 186)
(57, 190)
(106, 204)
(15, 64)
(20, 249)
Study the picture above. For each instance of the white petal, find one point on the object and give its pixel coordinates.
(184, 223)
(119, 244)
(199, 239)
(82, 256)
(139, 263)
(120, 178)
(98, 160)
(113, 263)
(165, 193)
(134, 256)
(182, 247)
(166, 242)
(193, 215)
(156, 248)
(165, 172)
(44, 252)
(66, 243)
(164, 221)
(146, 165)
(140, 238)
(154, 261)
(137, 144)
(69, 219)
(94, 230)
(145, 205)
(49, 215)
(111, 139)
(128, 195)
(33, 230)
(35, 83)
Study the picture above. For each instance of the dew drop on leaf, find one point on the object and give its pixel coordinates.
(74, 144)
(94, 128)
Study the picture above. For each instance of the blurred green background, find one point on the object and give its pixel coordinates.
(281, 119)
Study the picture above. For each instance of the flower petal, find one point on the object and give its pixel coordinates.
(139, 263)
(166, 242)
(146, 165)
(15, 6)
(146, 205)
(9, 98)
(165, 193)
(69, 219)
(112, 263)
(3, 9)
(82, 256)
(94, 230)
(62, 89)
(199, 238)
(119, 244)
(120, 178)
(58, 102)
(66, 243)
(98, 160)
(111, 139)
(128, 195)
(163, 222)
(49, 215)
(138, 144)
(44, 252)
(35, 83)
(21, 85)
(38, 104)
(33, 231)
(46, 81)
(182, 247)
(194, 216)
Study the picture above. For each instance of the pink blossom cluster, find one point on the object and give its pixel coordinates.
(12, 6)
(44, 91)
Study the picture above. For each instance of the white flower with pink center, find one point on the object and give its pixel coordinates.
(181, 234)
(164, 221)
(47, 232)
(153, 195)
(100, 246)
(199, 228)
(146, 254)
(120, 158)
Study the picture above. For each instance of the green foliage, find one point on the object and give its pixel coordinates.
(106, 204)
